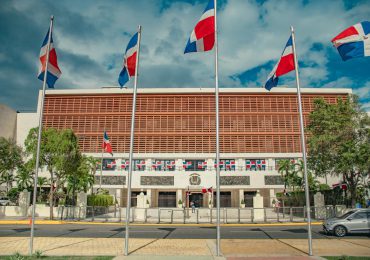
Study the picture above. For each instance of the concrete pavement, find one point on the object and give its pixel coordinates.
(186, 248)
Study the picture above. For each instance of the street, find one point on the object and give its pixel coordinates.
(168, 232)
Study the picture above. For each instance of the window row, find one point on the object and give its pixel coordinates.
(190, 165)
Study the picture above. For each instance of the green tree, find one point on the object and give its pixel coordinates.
(286, 169)
(24, 178)
(298, 177)
(339, 141)
(41, 181)
(59, 153)
(10, 160)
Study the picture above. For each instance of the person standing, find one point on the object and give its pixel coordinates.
(192, 205)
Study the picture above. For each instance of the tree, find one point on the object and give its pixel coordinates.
(10, 160)
(41, 181)
(339, 142)
(23, 178)
(286, 169)
(59, 153)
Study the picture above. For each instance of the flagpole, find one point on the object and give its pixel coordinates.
(303, 143)
(39, 139)
(217, 136)
(129, 175)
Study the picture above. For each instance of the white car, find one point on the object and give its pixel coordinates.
(4, 201)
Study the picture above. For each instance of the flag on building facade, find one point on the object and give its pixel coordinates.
(283, 66)
(124, 164)
(140, 164)
(170, 164)
(187, 164)
(112, 164)
(107, 147)
(202, 165)
(202, 37)
(158, 164)
(53, 70)
(354, 41)
(221, 164)
(230, 164)
(129, 61)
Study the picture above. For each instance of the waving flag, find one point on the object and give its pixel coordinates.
(354, 41)
(106, 144)
(129, 61)
(203, 36)
(284, 65)
(53, 69)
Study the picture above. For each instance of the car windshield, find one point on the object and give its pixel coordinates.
(347, 214)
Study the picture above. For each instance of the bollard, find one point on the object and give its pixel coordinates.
(277, 215)
(79, 213)
(159, 216)
(264, 214)
(61, 216)
(115, 209)
(238, 215)
(291, 214)
(184, 215)
(252, 215)
(93, 214)
(197, 216)
(119, 214)
(145, 215)
(211, 215)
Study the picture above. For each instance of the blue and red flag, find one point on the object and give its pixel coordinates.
(53, 69)
(129, 61)
(106, 144)
(203, 36)
(354, 41)
(284, 65)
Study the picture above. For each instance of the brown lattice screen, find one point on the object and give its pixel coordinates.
(183, 123)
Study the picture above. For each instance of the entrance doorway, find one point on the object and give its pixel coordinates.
(225, 199)
(197, 198)
(248, 198)
(167, 199)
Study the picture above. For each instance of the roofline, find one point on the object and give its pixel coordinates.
(116, 90)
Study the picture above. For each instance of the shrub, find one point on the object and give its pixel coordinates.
(179, 202)
(99, 200)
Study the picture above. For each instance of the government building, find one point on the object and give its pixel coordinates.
(174, 147)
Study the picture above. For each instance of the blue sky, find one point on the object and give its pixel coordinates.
(90, 37)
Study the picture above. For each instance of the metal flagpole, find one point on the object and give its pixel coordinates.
(303, 143)
(217, 136)
(101, 168)
(129, 175)
(39, 138)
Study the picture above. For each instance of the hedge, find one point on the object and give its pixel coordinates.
(99, 200)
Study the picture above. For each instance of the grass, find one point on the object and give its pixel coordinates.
(344, 257)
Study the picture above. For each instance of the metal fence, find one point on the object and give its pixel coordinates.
(199, 215)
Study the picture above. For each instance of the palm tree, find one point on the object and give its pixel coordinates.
(313, 183)
(23, 178)
(286, 169)
(41, 181)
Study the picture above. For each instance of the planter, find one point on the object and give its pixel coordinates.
(242, 206)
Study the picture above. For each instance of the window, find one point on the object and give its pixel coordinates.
(195, 165)
(360, 215)
(255, 164)
(164, 165)
(139, 165)
(226, 164)
(109, 164)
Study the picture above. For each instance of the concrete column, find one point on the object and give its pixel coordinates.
(179, 197)
(24, 202)
(241, 196)
(149, 197)
(258, 207)
(272, 197)
(81, 204)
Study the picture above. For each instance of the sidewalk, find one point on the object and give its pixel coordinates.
(232, 249)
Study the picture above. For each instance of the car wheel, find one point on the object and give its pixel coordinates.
(340, 231)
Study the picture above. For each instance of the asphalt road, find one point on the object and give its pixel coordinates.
(170, 232)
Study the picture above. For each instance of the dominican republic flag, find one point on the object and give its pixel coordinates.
(230, 164)
(106, 144)
(187, 164)
(53, 69)
(140, 164)
(221, 164)
(202, 37)
(112, 164)
(202, 165)
(129, 61)
(157, 164)
(284, 65)
(170, 164)
(354, 41)
(124, 164)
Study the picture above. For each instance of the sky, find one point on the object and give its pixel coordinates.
(90, 38)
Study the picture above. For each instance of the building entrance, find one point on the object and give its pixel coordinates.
(248, 198)
(167, 199)
(197, 198)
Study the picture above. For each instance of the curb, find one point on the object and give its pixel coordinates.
(60, 222)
